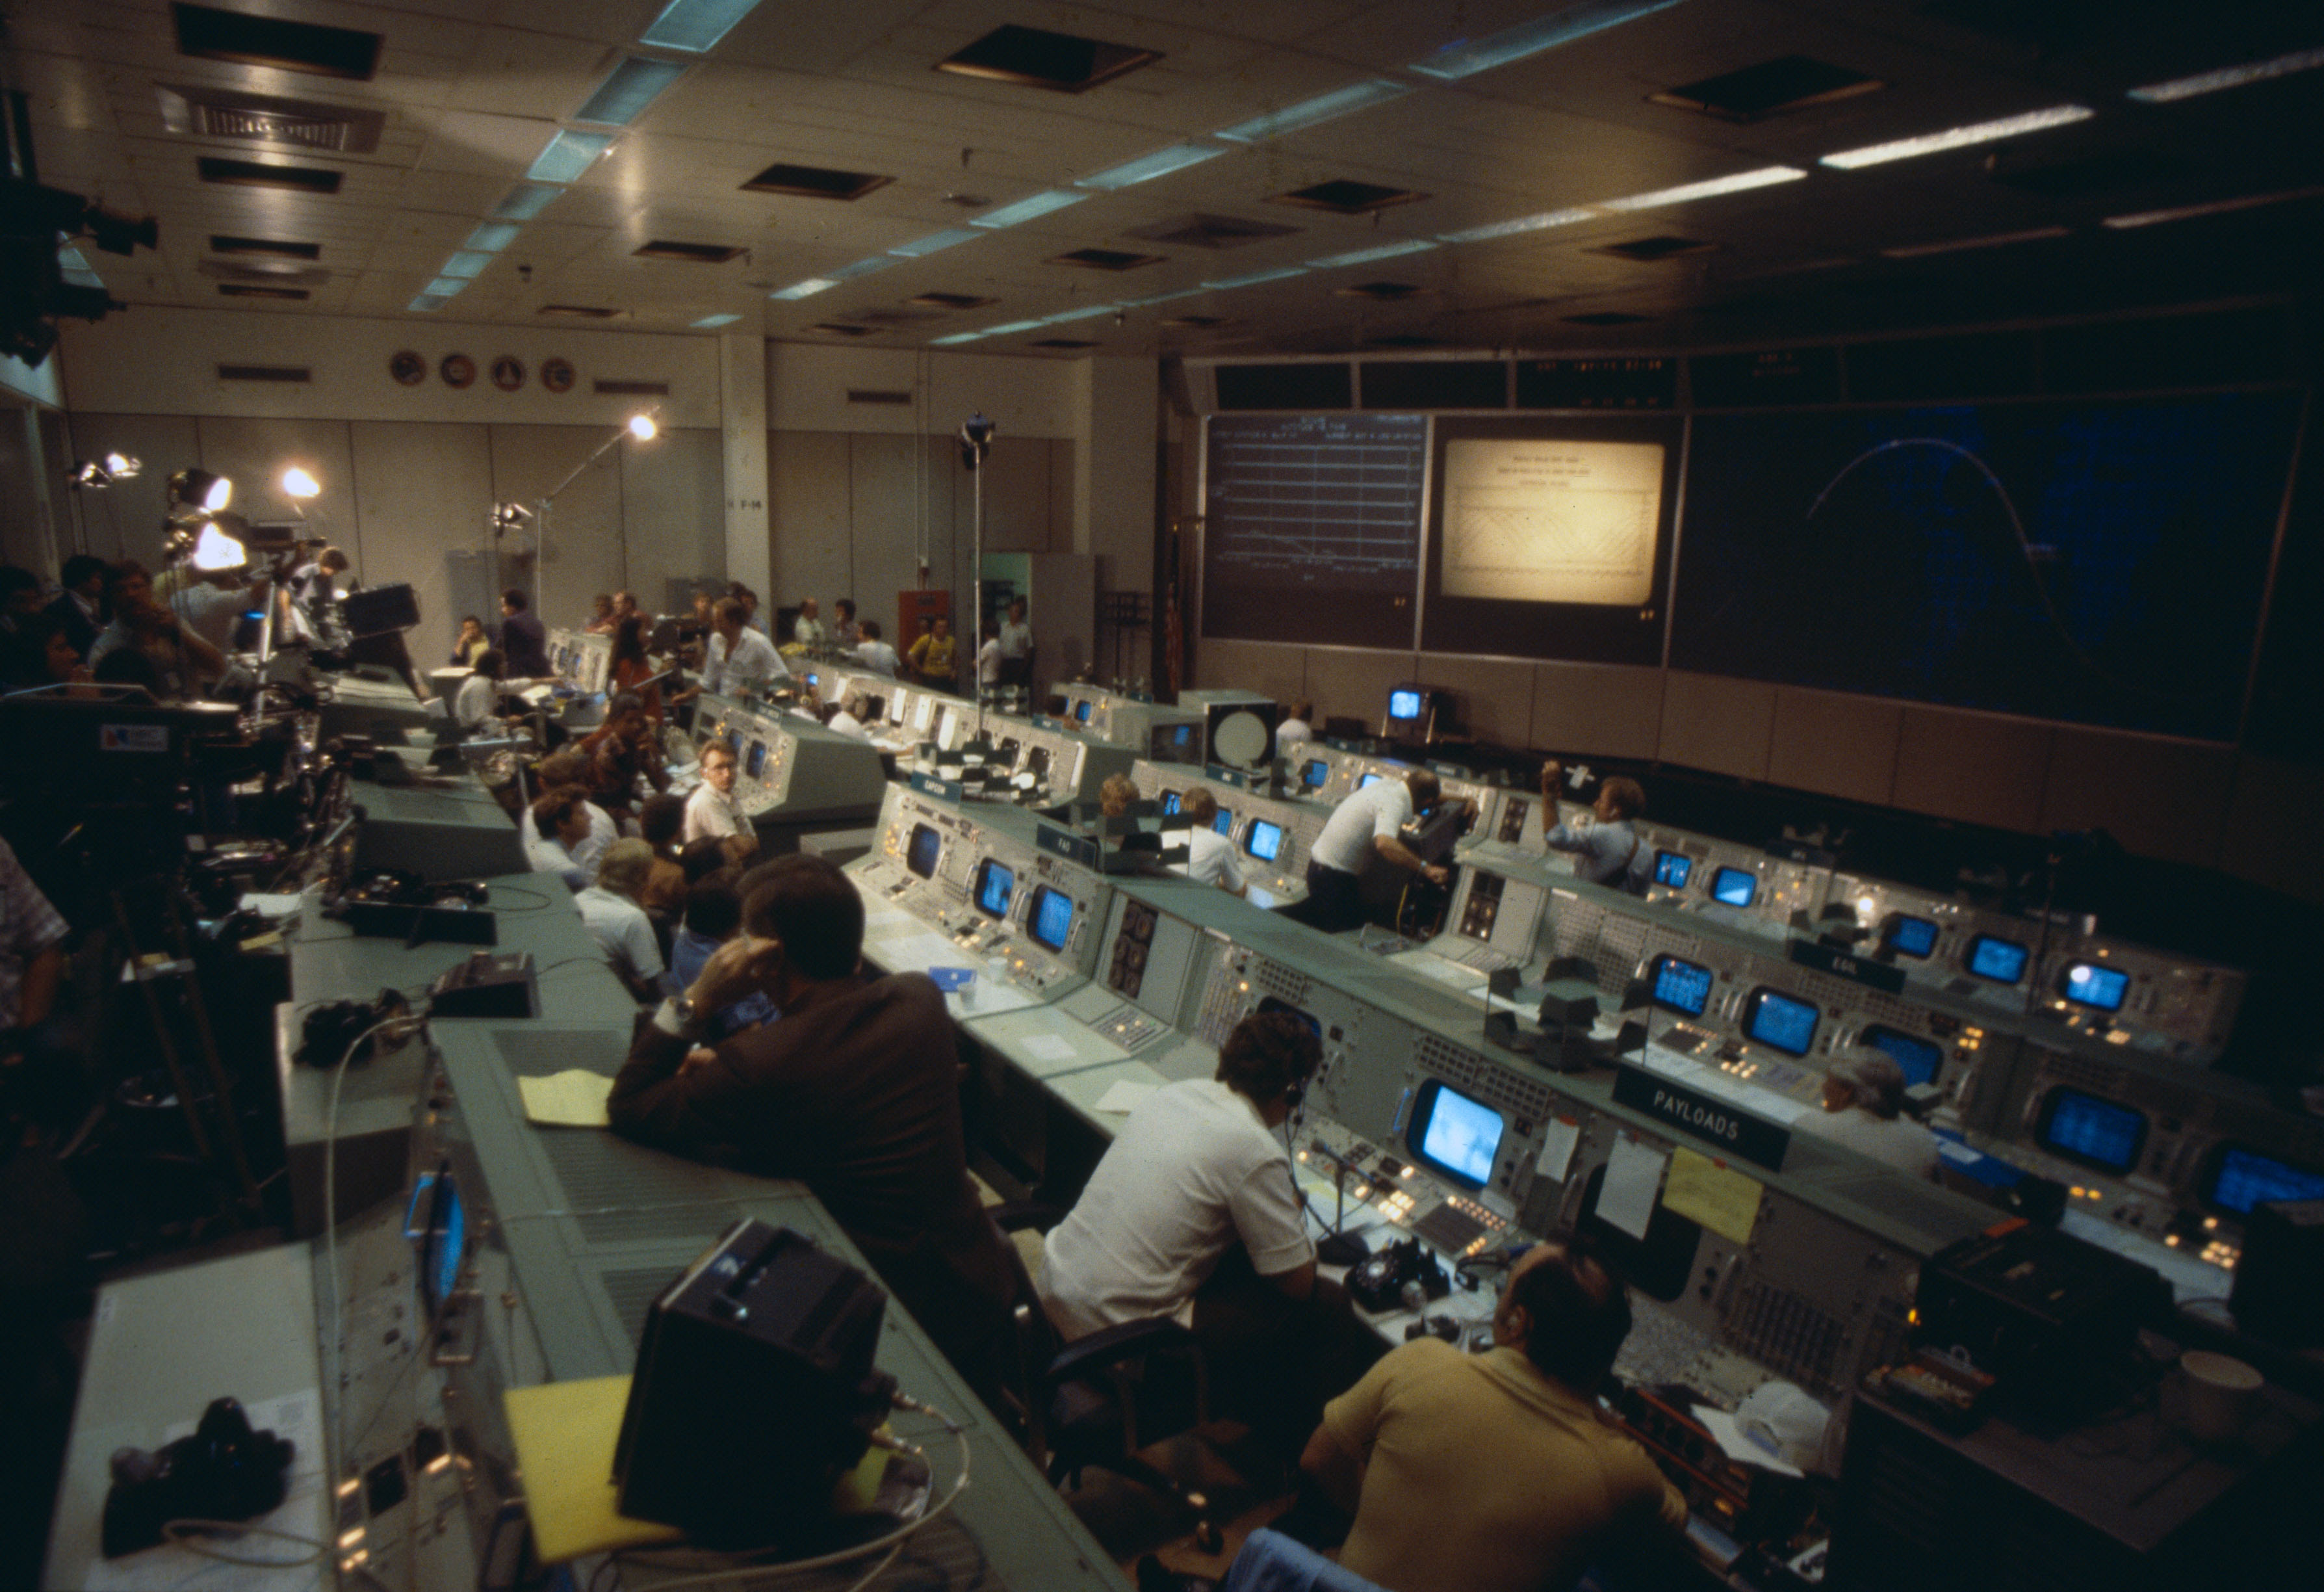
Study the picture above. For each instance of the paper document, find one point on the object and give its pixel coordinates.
(575, 1097)
(1720, 1197)
(1123, 1098)
(1729, 1434)
(1558, 1143)
(1049, 1046)
(1634, 1175)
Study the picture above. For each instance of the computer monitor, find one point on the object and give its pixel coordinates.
(1910, 936)
(735, 739)
(2244, 1178)
(1405, 704)
(996, 886)
(945, 725)
(1738, 887)
(1224, 822)
(1369, 781)
(1452, 1135)
(1050, 917)
(1037, 763)
(920, 854)
(437, 1220)
(1317, 774)
(1081, 711)
(1265, 840)
(2101, 989)
(1673, 868)
(1780, 1022)
(2094, 1132)
(1918, 1057)
(1681, 985)
(1170, 802)
(755, 763)
(2001, 960)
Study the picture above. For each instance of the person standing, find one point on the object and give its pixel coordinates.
(1017, 647)
(81, 603)
(1608, 851)
(932, 656)
(1300, 726)
(524, 643)
(1365, 824)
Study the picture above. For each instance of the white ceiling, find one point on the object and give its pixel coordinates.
(471, 92)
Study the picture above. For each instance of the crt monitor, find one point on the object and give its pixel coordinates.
(921, 854)
(1170, 800)
(1081, 711)
(437, 1219)
(2101, 989)
(2001, 960)
(1780, 1022)
(2094, 1132)
(1050, 918)
(996, 884)
(1405, 704)
(1452, 1135)
(1673, 868)
(1681, 985)
(2242, 1178)
(1369, 781)
(1315, 775)
(1265, 840)
(1037, 763)
(1738, 887)
(1224, 822)
(756, 763)
(1916, 1058)
(1910, 936)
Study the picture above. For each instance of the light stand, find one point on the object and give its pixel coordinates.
(640, 426)
(975, 443)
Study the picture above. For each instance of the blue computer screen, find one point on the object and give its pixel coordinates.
(2001, 960)
(2245, 1179)
(1081, 712)
(1913, 936)
(2085, 1128)
(1315, 775)
(1918, 1057)
(1735, 886)
(450, 1242)
(1673, 868)
(756, 763)
(2099, 988)
(1169, 802)
(1051, 917)
(1265, 840)
(1224, 822)
(1781, 1023)
(995, 884)
(920, 856)
(1681, 986)
(1403, 704)
(1369, 781)
(1456, 1135)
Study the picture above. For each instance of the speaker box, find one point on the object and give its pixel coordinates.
(377, 609)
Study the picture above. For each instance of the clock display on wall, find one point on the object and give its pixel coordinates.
(406, 367)
(556, 374)
(457, 370)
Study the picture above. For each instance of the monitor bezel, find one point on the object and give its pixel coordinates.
(1251, 840)
(1666, 862)
(1757, 1001)
(2066, 982)
(935, 849)
(1042, 895)
(1719, 874)
(2061, 1093)
(1655, 979)
(1978, 942)
(978, 882)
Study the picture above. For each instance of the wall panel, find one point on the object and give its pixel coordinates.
(1496, 694)
(421, 492)
(255, 452)
(1346, 683)
(1611, 710)
(673, 518)
(808, 511)
(1838, 744)
(888, 513)
(584, 553)
(1716, 724)
(2159, 797)
(1272, 667)
(1981, 768)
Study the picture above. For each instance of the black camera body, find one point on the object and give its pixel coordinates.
(223, 1471)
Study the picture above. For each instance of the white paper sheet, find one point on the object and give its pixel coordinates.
(1557, 1146)
(1049, 1046)
(1634, 1177)
(1125, 1097)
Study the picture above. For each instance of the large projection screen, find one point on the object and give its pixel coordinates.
(1549, 536)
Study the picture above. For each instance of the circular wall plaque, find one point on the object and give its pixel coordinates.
(556, 374)
(457, 370)
(508, 373)
(406, 367)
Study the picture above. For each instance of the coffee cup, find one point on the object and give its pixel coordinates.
(2219, 1396)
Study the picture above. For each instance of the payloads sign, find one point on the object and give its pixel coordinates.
(1701, 1117)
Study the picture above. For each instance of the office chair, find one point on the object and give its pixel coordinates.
(1093, 1403)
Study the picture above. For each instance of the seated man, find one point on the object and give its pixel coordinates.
(611, 913)
(1608, 852)
(479, 695)
(1495, 1472)
(619, 753)
(545, 850)
(714, 812)
(713, 915)
(1862, 1111)
(854, 1089)
(1298, 728)
(849, 720)
(874, 653)
(1210, 856)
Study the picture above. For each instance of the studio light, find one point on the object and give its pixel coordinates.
(200, 488)
(642, 427)
(214, 551)
(298, 483)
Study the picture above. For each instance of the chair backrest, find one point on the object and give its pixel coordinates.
(1272, 1562)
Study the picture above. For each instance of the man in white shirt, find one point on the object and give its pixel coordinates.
(1298, 728)
(480, 693)
(1210, 856)
(714, 812)
(611, 913)
(740, 660)
(1863, 1106)
(1365, 825)
(988, 662)
(849, 720)
(562, 834)
(1016, 646)
(874, 653)
(808, 628)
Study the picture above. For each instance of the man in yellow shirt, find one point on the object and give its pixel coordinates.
(1495, 1472)
(931, 656)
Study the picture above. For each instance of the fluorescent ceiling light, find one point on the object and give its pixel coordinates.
(445, 287)
(1339, 102)
(1163, 297)
(1904, 149)
(956, 338)
(428, 302)
(805, 289)
(1083, 313)
(491, 237)
(1014, 326)
(569, 154)
(628, 90)
(1411, 246)
(1147, 167)
(526, 200)
(467, 263)
(935, 241)
(75, 269)
(1542, 222)
(1464, 57)
(864, 267)
(1742, 182)
(1256, 277)
(2234, 76)
(2213, 207)
(1026, 209)
(1990, 241)
(708, 321)
(695, 26)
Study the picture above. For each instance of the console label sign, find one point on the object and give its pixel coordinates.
(1848, 964)
(1703, 1117)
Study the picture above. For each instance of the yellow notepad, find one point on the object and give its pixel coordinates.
(575, 1097)
(565, 1434)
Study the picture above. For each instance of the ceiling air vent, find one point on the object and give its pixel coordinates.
(1404, 340)
(1211, 232)
(878, 395)
(1386, 292)
(693, 253)
(949, 301)
(245, 290)
(632, 389)
(265, 373)
(1105, 259)
(840, 328)
(815, 182)
(582, 313)
(210, 35)
(226, 243)
(1665, 247)
(193, 110)
(1787, 83)
(253, 174)
(1064, 343)
(1033, 57)
(1347, 198)
(265, 275)
(1196, 322)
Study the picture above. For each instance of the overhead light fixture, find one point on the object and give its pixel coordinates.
(1165, 298)
(567, 155)
(1467, 57)
(696, 26)
(466, 263)
(195, 487)
(491, 237)
(526, 200)
(1990, 241)
(1905, 149)
(1147, 167)
(1523, 224)
(447, 287)
(1013, 326)
(1256, 277)
(967, 336)
(709, 321)
(427, 301)
(864, 267)
(632, 86)
(950, 237)
(2211, 208)
(509, 517)
(2234, 76)
(1411, 246)
(1741, 182)
(1028, 210)
(805, 289)
(120, 466)
(1083, 313)
(298, 483)
(1307, 113)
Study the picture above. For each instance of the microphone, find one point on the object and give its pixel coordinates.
(1338, 1247)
